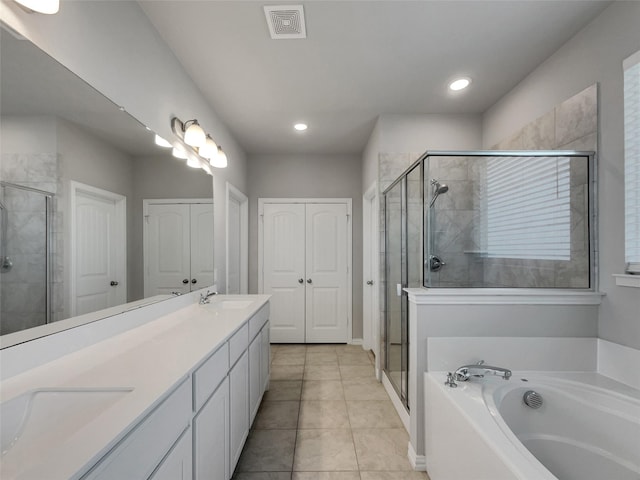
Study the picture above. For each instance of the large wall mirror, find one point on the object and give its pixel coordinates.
(93, 213)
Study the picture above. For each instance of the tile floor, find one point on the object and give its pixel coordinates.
(325, 417)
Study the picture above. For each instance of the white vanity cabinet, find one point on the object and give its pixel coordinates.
(239, 406)
(259, 354)
(178, 464)
(211, 437)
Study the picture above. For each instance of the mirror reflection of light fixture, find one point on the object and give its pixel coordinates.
(161, 142)
(179, 153)
(48, 7)
(220, 160)
(193, 162)
(209, 149)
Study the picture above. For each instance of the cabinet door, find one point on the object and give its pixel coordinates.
(265, 359)
(255, 385)
(201, 245)
(178, 464)
(211, 437)
(239, 407)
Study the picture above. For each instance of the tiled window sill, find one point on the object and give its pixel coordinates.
(625, 280)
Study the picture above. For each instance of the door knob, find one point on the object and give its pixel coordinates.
(186, 280)
(301, 280)
(308, 280)
(369, 282)
(114, 283)
(193, 280)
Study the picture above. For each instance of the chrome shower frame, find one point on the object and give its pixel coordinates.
(48, 196)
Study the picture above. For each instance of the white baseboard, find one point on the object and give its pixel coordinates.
(418, 462)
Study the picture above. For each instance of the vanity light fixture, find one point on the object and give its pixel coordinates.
(209, 149)
(219, 160)
(48, 7)
(161, 142)
(301, 127)
(459, 84)
(190, 132)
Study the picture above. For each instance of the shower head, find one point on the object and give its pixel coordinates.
(438, 188)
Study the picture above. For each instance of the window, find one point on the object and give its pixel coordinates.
(632, 162)
(527, 208)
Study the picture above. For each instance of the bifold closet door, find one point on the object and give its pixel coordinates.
(283, 270)
(305, 271)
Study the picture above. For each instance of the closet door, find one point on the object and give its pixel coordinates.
(168, 255)
(283, 270)
(201, 245)
(326, 273)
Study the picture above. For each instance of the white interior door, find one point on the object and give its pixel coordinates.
(168, 246)
(98, 246)
(370, 267)
(326, 269)
(284, 270)
(233, 246)
(201, 245)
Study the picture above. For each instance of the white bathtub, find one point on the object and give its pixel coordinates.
(484, 430)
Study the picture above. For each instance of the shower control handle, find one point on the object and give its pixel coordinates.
(113, 283)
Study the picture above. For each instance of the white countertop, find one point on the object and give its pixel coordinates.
(151, 359)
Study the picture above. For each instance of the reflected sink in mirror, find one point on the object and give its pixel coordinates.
(39, 419)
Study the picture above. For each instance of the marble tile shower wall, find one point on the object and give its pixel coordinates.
(22, 298)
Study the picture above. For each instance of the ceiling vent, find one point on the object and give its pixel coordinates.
(285, 21)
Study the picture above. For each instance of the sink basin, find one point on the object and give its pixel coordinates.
(235, 304)
(38, 419)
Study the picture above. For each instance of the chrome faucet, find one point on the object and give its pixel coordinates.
(205, 297)
(479, 370)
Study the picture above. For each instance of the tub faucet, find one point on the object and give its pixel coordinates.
(479, 370)
(205, 297)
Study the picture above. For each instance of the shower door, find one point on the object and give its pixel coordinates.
(25, 253)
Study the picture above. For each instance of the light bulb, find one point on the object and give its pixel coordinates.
(179, 153)
(48, 7)
(194, 134)
(193, 162)
(219, 160)
(161, 142)
(209, 149)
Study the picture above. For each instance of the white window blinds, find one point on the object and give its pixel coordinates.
(632, 162)
(527, 208)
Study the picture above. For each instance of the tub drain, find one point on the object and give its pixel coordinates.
(532, 399)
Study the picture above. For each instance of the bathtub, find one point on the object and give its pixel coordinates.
(587, 428)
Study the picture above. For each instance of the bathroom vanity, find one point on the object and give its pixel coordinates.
(172, 397)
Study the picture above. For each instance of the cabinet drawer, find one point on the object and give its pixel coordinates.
(140, 452)
(209, 375)
(258, 320)
(238, 343)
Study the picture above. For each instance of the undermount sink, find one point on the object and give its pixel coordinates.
(41, 418)
(235, 304)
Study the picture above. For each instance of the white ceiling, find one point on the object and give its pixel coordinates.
(360, 59)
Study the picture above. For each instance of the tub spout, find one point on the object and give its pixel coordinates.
(465, 372)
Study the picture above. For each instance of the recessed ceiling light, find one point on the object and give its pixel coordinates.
(301, 127)
(459, 84)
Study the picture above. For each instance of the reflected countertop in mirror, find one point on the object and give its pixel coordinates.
(60, 136)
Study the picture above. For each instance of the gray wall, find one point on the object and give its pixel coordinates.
(314, 176)
(595, 54)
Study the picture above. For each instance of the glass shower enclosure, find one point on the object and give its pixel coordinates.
(486, 219)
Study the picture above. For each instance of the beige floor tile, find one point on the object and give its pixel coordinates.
(323, 414)
(263, 476)
(287, 372)
(268, 451)
(286, 358)
(346, 348)
(289, 348)
(387, 452)
(277, 415)
(322, 390)
(321, 348)
(324, 450)
(360, 358)
(326, 476)
(373, 414)
(394, 476)
(364, 389)
(283, 390)
(357, 371)
(321, 372)
(321, 358)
